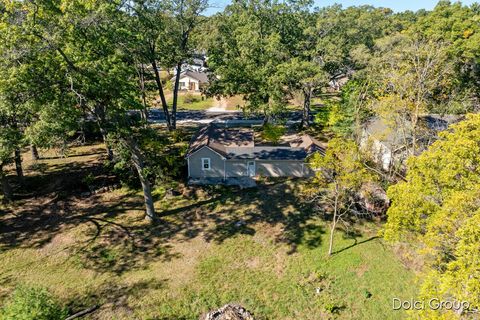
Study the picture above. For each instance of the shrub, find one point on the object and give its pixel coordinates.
(89, 180)
(273, 133)
(32, 303)
(190, 98)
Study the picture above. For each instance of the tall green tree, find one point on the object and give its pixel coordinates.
(345, 43)
(87, 39)
(457, 25)
(411, 78)
(149, 42)
(163, 32)
(244, 53)
(342, 34)
(185, 19)
(31, 80)
(303, 76)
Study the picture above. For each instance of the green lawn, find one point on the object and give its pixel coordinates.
(262, 248)
(197, 104)
(186, 100)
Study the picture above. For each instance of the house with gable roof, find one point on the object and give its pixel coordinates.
(217, 153)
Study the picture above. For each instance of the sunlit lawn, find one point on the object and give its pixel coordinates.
(263, 248)
(198, 103)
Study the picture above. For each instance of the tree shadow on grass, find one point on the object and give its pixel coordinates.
(115, 296)
(277, 205)
(116, 248)
(355, 243)
(36, 223)
(115, 239)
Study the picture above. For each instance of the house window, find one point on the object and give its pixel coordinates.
(206, 164)
(182, 84)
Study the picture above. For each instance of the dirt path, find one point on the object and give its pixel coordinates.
(219, 105)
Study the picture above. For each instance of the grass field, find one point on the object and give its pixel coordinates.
(201, 102)
(263, 248)
(197, 104)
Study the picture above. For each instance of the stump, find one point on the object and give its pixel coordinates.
(229, 312)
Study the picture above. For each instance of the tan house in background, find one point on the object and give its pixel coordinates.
(192, 80)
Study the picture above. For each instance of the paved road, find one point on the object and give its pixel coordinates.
(157, 116)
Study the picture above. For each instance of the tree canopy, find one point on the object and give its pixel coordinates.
(437, 208)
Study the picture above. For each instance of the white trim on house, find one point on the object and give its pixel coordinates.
(254, 168)
(188, 165)
(206, 161)
(189, 155)
(224, 170)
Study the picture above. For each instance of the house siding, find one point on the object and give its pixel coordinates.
(236, 168)
(266, 168)
(381, 154)
(216, 164)
(187, 80)
(283, 168)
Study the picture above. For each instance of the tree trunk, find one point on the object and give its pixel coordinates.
(334, 222)
(158, 81)
(141, 83)
(100, 115)
(34, 150)
(6, 188)
(147, 195)
(307, 94)
(139, 163)
(18, 164)
(105, 141)
(175, 95)
(144, 110)
(414, 133)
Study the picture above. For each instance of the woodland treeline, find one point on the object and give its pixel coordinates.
(68, 62)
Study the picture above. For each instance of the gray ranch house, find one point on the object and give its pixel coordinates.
(219, 154)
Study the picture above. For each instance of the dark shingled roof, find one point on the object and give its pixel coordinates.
(268, 153)
(238, 143)
(202, 77)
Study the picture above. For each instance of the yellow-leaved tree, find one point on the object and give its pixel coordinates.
(437, 212)
(339, 176)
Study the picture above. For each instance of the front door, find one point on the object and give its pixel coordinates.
(251, 168)
(191, 86)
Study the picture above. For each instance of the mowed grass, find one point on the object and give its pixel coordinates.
(197, 104)
(263, 248)
(196, 101)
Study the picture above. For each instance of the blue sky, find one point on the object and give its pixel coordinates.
(396, 5)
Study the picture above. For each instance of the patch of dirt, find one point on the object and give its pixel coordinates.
(58, 243)
(361, 269)
(279, 267)
(253, 263)
(271, 231)
(182, 269)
